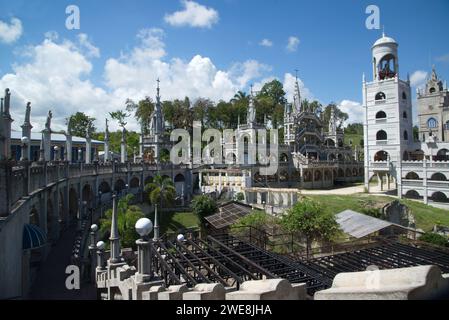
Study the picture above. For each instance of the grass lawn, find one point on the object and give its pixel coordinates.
(425, 216)
(171, 221)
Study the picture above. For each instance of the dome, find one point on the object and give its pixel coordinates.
(384, 40)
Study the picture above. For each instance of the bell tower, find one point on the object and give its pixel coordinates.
(388, 125)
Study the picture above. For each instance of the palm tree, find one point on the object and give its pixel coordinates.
(240, 96)
(161, 190)
(127, 216)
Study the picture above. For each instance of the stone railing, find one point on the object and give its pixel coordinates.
(27, 177)
(423, 282)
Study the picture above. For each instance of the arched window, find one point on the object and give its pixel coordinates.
(432, 90)
(404, 115)
(405, 135)
(404, 96)
(447, 125)
(432, 123)
(381, 115)
(380, 96)
(381, 135)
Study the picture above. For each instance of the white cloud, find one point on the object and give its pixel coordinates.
(193, 15)
(266, 43)
(443, 58)
(418, 78)
(10, 33)
(53, 79)
(55, 75)
(91, 50)
(248, 70)
(292, 44)
(353, 109)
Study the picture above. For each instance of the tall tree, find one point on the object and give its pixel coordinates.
(160, 191)
(79, 123)
(120, 116)
(142, 110)
(340, 115)
(270, 102)
(308, 219)
(203, 206)
(127, 216)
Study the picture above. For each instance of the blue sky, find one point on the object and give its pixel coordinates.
(333, 50)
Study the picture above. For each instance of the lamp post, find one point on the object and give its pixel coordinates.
(101, 265)
(56, 155)
(25, 141)
(144, 271)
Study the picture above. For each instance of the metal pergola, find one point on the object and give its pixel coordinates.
(231, 261)
(385, 255)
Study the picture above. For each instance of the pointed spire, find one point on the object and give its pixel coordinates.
(114, 237)
(158, 97)
(297, 95)
(434, 74)
(41, 149)
(106, 132)
(383, 31)
(363, 77)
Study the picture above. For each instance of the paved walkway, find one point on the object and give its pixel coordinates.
(51, 277)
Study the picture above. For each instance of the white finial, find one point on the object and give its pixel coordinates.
(383, 31)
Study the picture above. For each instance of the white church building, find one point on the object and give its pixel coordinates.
(417, 169)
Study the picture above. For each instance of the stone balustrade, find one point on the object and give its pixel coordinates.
(423, 282)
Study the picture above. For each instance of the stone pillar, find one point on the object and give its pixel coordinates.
(26, 132)
(156, 223)
(101, 265)
(68, 147)
(144, 272)
(426, 196)
(114, 238)
(46, 136)
(7, 120)
(123, 155)
(106, 150)
(88, 149)
(92, 250)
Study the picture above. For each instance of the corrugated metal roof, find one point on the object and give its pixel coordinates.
(360, 225)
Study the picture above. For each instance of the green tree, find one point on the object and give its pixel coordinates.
(308, 219)
(120, 116)
(160, 191)
(203, 206)
(435, 238)
(340, 115)
(127, 216)
(79, 123)
(270, 102)
(142, 110)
